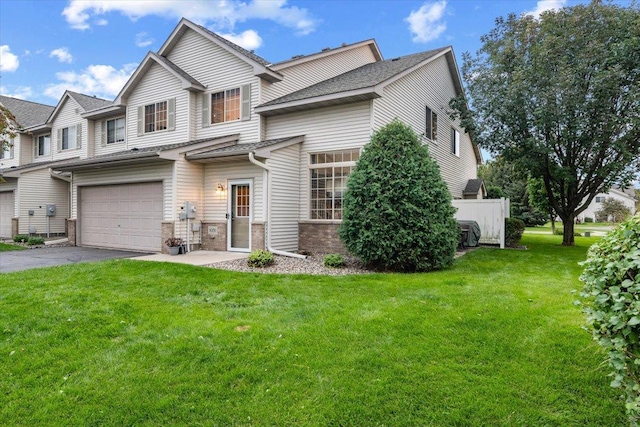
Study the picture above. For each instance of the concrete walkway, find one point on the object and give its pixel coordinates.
(195, 257)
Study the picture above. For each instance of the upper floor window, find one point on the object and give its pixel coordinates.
(69, 137)
(431, 125)
(228, 105)
(151, 118)
(155, 117)
(7, 153)
(455, 142)
(599, 199)
(43, 145)
(115, 130)
(329, 173)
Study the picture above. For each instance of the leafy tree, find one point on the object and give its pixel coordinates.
(8, 127)
(397, 212)
(538, 198)
(503, 179)
(560, 97)
(614, 209)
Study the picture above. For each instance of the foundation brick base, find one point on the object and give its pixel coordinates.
(320, 237)
(71, 231)
(214, 236)
(15, 222)
(167, 232)
(257, 236)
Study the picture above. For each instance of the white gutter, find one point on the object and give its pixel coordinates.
(267, 194)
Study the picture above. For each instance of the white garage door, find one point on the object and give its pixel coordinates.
(127, 216)
(6, 213)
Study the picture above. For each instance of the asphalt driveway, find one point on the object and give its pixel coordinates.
(48, 257)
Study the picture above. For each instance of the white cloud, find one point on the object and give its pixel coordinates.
(544, 5)
(426, 23)
(62, 54)
(222, 14)
(143, 39)
(101, 80)
(249, 39)
(20, 92)
(8, 61)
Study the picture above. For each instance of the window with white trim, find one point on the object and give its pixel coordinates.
(68, 138)
(431, 124)
(155, 117)
(43, 145)
(225, 106)
(599, 199)
(455, 142)
(329, 172)
(115, 130)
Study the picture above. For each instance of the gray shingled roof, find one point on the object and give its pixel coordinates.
(473, 186)
(237, 48)
(27, 113)
(179, 70)
(137, 152)
(87, 102)
(368, 75)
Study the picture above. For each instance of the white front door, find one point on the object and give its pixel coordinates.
(239, 216)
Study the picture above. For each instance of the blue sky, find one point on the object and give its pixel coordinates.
(93, 46)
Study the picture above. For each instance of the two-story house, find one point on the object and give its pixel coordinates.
(48, 135)
(260, 151)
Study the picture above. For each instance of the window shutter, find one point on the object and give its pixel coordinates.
(206, 120)
(103, 133)
(245, 113)
(35, 146)
(428, 129)
(171, 114)
(59, 140)
(79, 136)
(140, 119)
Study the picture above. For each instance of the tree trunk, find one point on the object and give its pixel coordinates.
(552, 217)
(567, 237)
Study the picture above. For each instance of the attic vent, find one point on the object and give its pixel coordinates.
(134, 149)
(77, 110)
(395, 59)
(296, 56)
(343, 44)
(326, 49)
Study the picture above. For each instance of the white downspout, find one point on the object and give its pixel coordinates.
(267, 195)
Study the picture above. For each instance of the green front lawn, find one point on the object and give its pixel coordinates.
(493, 341)
(597, 227)
(4, 247)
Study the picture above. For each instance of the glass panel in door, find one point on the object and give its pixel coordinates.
(240, 215)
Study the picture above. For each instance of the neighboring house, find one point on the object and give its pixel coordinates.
(48, 136)
(628, 197)
(209, 142)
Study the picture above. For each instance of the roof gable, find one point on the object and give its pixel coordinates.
(300, 59)
(260, 65)
(187, 82)
(27, 113)
(85, 102)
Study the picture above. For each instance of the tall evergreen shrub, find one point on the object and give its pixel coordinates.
(397, 212)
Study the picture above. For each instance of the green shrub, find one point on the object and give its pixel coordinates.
(21, 238)
(397, 212)
(560, 232)
(34, 240)
(514, 228)
(260, 259)
(588, 219)
(333, 261)
(611, 293)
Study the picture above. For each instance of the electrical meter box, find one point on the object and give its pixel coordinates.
(190, 210)
(51, 210)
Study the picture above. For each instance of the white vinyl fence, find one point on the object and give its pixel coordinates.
(489, 214)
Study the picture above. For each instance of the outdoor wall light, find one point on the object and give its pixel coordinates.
(220, 188)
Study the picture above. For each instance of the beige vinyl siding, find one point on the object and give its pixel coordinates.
(309, 73)
(126, 175)
(325, 129)
(67, 117)
(26, 148)
(15, 152)
(217, 70)
(189, 188)
(157, 85)
(285, 197)
(407, 98)
(37, 189)
(215, 205)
